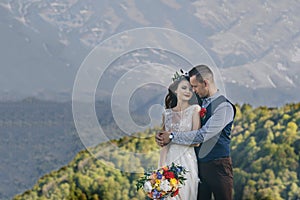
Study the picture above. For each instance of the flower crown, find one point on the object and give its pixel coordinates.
(178, 76)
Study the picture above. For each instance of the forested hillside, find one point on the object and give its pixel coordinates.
(265, 153)
(39, 136)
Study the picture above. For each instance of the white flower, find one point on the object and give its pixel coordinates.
(165, 186)
(147, 186)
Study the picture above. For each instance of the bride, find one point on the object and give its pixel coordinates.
(181, 114)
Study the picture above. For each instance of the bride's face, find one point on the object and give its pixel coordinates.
(184, 91)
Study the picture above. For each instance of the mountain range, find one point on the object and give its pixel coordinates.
(256, 44)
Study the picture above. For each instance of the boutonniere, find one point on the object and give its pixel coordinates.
(202, 112)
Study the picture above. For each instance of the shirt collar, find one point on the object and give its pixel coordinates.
(208, 100)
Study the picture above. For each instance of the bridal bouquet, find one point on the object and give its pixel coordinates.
(163, 182)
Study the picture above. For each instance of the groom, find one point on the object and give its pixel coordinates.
(214, 162)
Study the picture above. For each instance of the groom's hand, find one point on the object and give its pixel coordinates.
(159, 139)
(162, 138)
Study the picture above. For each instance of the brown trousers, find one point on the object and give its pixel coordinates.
(216, 178)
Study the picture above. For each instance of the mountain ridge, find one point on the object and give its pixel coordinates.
(254, 44)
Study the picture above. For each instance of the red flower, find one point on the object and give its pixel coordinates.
(202, 112)
(169, 175)
(175, 193)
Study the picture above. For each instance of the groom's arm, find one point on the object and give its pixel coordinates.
(215, 124)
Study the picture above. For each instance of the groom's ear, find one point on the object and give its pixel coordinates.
(205, 82)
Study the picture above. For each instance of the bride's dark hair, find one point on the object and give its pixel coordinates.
(171, 98)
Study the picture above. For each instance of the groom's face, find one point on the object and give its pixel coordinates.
(198, 88)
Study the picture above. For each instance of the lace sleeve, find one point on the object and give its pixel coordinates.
(167, 119)
(163, 121)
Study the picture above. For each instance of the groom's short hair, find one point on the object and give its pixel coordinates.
(201, 72)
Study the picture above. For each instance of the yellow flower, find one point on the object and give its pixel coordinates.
(157, 182)
(173, 181)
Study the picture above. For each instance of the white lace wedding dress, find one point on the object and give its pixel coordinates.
(181, 154)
